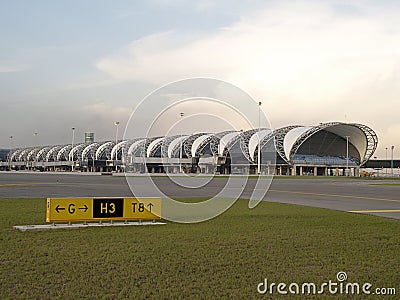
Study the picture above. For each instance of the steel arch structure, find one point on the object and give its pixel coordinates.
(188, 144)
(216, 141)
(76, 152)
(370, 135)
(135, 147)
(167, 143)
(62, 155)
(227, 147)
(118, 148)
(372, 141)
(90, 148)
(211, 139)
(104, 150)
(51, 155)
(32, 154)
(23, 154)
(15, 154)
(244, 142)
(175, 145)
(41, 155)
(279, 140)
(298, 146)
(154, 146)
(266, 139)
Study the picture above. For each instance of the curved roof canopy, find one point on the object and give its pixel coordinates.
(90, 149)
(255, 139)
(362, 137)
(153, 146)
(291, 137)
(197, 142)
(226, 140)
(138, 143)
(117, 148)
(175, 143)
(105, 148)
(325, 139)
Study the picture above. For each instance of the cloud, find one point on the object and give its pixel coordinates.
(100, 118)
(276, 46)
(106, 111)
(164, 57)
(308, 61)
(11, 69)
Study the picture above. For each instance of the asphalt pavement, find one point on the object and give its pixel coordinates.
(377, 197)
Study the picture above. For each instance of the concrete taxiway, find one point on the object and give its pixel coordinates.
(377, 197)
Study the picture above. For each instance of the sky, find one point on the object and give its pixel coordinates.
(87, 64)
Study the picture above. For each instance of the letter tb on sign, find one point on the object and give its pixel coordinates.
(108, 208)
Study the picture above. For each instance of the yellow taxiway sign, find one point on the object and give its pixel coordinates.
(106, 208)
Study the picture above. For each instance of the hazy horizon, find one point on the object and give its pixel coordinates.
(87, 65)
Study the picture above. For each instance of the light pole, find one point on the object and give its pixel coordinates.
(72, 147)
(116, 142)
(391, 162)
(386, 160)
(347, 155)
(10, 153)
(116, 131)
(36, 145)
(259, 140)
(35, 134)
(180, 149)
(93, 157)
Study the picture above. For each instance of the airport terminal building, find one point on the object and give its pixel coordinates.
(326, 149)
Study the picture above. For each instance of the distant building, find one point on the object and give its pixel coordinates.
(89, 137)
(329, 149)
(4, 154)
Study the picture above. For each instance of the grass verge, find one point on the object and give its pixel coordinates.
(222, 258)
(386, 184)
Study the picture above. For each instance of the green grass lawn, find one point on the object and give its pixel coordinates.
(222, 258)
